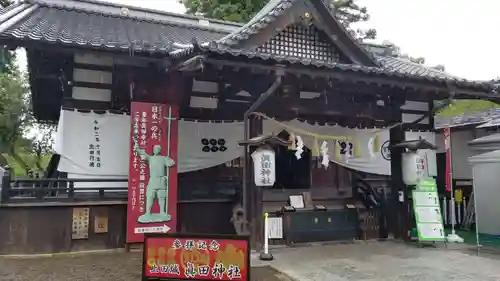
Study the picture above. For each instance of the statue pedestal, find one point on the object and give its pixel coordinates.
(148, 218)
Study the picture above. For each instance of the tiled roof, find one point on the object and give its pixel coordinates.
(89, 28)
(276, 8)
(262, 19)
(399, 70)
(407, 67)
(467, 119)
(93, 24)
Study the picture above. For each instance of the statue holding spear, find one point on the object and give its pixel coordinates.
(157, 188)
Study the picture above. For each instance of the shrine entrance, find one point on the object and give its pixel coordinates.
(293, 63)
(290, 172)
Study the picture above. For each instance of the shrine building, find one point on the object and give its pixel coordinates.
(117, 81)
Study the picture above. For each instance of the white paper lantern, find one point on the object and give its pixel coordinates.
(413, 166)
(264, 167)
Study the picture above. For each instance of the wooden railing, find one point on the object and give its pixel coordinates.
(59, 190)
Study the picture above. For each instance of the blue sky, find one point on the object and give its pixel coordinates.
(460, 34)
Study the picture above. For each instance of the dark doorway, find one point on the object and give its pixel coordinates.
(292, 173)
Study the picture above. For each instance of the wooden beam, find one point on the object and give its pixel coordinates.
(93, 67)
(241, 77)
(234, 113)
(92, 85)
(187, 87)
(334, 105)
(358, 77)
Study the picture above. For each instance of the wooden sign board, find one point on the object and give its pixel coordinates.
(101, 224)
(80, 227)
(181, 256)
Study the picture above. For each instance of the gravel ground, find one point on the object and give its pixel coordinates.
(358, 262)
(385, 261)
(94, 267)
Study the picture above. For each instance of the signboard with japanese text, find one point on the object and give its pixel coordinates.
(264, 166)
(196, 257)
(152, 191)
(427, 211)
(80, 229)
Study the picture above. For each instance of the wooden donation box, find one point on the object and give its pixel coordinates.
(315, 224)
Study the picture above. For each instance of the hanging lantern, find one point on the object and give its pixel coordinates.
(264, 162)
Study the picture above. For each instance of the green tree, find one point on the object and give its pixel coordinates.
(347, 11)
(15, 115)
(17, 123)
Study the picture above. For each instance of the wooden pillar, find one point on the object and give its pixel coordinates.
(254, 193)
(395, 211)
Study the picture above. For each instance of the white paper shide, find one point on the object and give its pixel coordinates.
(264, 166)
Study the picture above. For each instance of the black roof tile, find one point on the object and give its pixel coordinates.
(467, 119)
(395, 67)
(93, 24)
(94, 30)
(262, 19)
(276, 8)
(408, 67)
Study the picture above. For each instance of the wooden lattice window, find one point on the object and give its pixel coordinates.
(306, 42)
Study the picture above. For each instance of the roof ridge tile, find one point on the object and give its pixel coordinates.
(130, 7)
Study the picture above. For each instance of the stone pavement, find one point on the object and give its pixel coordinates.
(384, 261)
(380, 261)
(94, 267)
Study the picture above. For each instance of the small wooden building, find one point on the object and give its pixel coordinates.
(90, 55)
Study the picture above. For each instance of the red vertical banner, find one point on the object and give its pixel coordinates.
(447, 145)
(152, 185)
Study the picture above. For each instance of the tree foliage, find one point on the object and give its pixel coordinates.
(15, 113)
(347, 11)
(21, 139)
(17, 148)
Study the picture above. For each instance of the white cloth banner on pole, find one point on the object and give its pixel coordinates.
(93, 144)
(201, 145)
(365, 162)
(204, 145)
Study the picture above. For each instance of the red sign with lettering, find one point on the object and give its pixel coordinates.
(448, 170)
(152, 185)
(196, 257)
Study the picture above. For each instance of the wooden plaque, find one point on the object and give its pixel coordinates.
(80, 228)
(101, 224)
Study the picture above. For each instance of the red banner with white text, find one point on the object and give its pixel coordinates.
(152, 185)
(447, 144)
